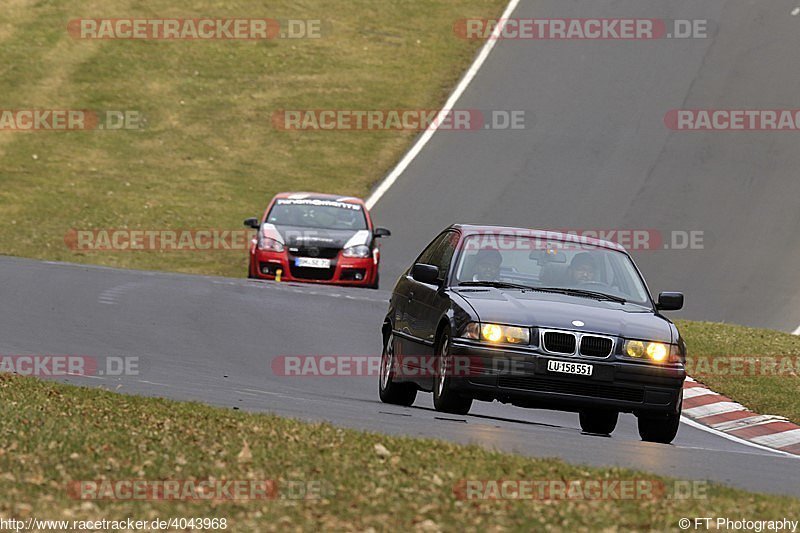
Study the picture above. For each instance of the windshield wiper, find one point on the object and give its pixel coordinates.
(582, 292)
(559, 290)
(497, 285)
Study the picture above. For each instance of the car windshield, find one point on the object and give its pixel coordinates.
(559, 266)
(317, 213)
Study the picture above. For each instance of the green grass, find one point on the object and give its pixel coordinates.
(209, 156)
(55, 434)
(763, 390)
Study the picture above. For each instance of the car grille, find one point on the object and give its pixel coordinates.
(596, 346)
(311, 251)
(587, 388)
(557, 342)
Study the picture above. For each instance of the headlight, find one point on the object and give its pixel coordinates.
(495, 333)
(658, 352)
(357, 251)
(265, 243)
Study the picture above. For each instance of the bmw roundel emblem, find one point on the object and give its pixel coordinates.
(578, 323)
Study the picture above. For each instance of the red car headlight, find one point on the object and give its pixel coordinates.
(271, 245)
(357, 251)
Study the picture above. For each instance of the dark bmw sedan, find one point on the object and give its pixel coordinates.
(536, 319)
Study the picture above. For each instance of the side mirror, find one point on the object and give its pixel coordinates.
(670, 301)
(381, 232)
(425, 273)
(252, 223)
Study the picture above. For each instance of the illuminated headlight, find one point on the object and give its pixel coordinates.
(357, 251)
(265, 243)
(497, 334)
(658, 352)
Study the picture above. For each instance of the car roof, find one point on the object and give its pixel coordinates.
(320, 196)
(475, 229)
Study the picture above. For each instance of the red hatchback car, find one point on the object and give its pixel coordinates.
(316, 238)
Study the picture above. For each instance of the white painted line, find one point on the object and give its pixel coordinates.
(697, 425)
(389, 180)
(154, 383)
(750, 421)
(697, 391)
(796, 11)
(779, 440)
(797, 331)
(717, 408)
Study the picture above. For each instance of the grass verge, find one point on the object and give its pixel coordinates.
(56, 434)
(759, 368)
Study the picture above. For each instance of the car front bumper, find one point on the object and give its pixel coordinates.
(521, 377)
(351, 271)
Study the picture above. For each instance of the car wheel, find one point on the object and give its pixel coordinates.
(391, 392)
(599, 422)
(444, 398)
(659, 428)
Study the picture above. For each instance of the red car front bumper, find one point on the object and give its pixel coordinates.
(352, 271)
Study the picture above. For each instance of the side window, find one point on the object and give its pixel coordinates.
(440, 251)
(448, 250)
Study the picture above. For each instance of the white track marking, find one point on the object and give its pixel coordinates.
(697, 425)
(797, 331)
(717, 408)
(697, 391)
(779, 440)
(389, 180)
(749, 422)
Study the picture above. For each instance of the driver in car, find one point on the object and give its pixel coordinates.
(583, 268)
(487, 265)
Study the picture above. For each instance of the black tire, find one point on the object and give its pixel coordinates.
(444, 398)
(389, 391)
(599, 422)
(659, 428)
(377, 282)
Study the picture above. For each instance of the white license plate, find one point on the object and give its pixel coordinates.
(565, 367)
(313, 262)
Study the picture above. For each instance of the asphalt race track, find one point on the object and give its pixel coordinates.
(595, 153)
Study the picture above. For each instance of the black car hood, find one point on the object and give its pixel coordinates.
(303, 237)
(558, 311)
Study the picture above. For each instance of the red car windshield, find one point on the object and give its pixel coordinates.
(317, 213)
